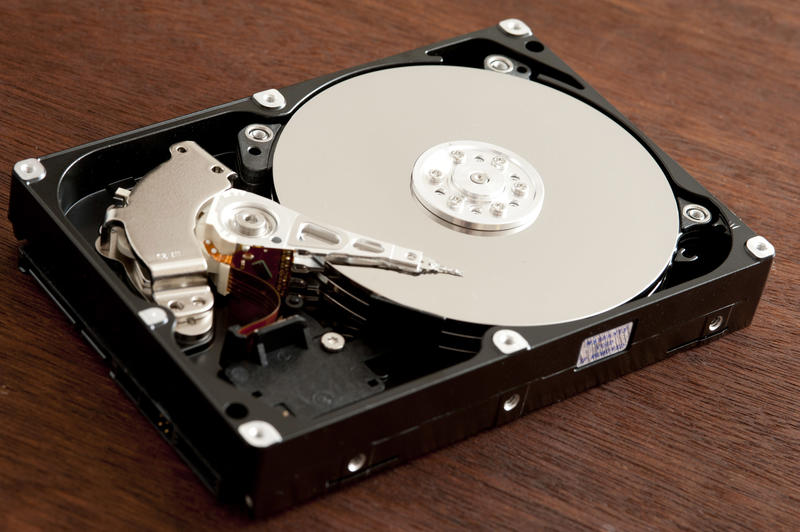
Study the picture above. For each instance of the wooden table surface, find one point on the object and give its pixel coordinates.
(707, 439)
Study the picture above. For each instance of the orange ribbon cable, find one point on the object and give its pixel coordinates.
(257, 283)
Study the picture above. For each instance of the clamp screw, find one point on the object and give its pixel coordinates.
(498, 208)
(455, 201)
(519, 188)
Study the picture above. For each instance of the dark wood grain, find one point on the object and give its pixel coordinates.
(708, 439)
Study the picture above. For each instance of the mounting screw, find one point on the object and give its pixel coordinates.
(457, 155)
(259, 133)
(498, 208)
(760, 248)
(508, 341)
(30, 170)
(514, 27)
(696, 213)
(259, 433)
(270, 98)
(332, 342)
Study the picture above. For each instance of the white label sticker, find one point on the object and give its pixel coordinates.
(605, 344)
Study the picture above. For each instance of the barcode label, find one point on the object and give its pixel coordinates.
(605, 344)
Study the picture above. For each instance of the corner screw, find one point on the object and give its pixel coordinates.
(30, 170)
(759, 247)
(270, 99)
(508, 341)
(514, 27)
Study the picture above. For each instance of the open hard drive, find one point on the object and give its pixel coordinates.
(315, 283)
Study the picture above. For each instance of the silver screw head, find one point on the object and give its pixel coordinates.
(759, 247)
(250, 222)
(435, 175)
(514, 27)
(270, 99)
(519, 188)
(498, 63)
(258, 133)
(499, 162)
(697, 213)
(30, 170)
(332, 342)
(457, 155)
(498, 208)
(455, 201)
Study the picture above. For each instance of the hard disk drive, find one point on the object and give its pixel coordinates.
(312, 284)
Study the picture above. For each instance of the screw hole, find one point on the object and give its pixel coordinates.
(715, 324)
(276, 240)
(181, 149)
(522, 69)
(175, 305)
(440, 191)
(476, 211)
(357, 462)
(253, 150)
(216, 169)
(236, 410)
(534, 46)
(511, 403)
